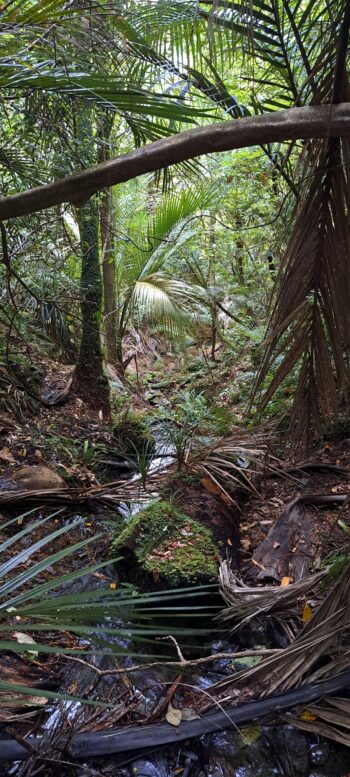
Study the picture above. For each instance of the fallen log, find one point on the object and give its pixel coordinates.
(133, 738)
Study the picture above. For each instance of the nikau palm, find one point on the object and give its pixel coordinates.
(146, 288)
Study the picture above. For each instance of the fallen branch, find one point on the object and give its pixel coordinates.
(133, 738)
(183, 664)
(317, 121)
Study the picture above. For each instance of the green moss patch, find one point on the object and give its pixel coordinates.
(170, 546)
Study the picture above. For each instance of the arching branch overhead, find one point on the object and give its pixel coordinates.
(296, 123)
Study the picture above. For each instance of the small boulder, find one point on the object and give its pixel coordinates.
(37, 478)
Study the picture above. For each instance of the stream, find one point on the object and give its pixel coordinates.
(255, 751)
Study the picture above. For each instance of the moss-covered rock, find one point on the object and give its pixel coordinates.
(169, 547)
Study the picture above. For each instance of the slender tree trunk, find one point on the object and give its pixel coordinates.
(108, 272)
(212, 281)
(107, 222)
(214, 322)
(90, 382)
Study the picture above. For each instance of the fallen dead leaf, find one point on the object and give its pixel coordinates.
(285, 581)
(306, 715)
(173, 715)
(307, 613)
(25, 639)
(6, 455)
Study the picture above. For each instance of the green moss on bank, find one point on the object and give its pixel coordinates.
(170, 546)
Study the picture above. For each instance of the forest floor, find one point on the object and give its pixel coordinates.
(69, 441)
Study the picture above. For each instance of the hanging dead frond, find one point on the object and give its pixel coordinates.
(310, 326)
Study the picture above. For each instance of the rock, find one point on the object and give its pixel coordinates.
(37, 478)
(156, 766)
(251, 761)
(224, 743)
(133, 437)
(319, 752)
(290, 748)
(192, 496)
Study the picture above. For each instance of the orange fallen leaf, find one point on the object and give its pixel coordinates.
(307, 715)
(307, 613)
(285, 581)
(210, 486)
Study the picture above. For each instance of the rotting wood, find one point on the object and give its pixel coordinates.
(274, 558)
(133, 738)
(287, 549)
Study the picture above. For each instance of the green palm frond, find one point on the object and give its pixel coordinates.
(146, 288)
(35, 12)
(176, 208)
(108, 91)
(163, 300)
(47, 611)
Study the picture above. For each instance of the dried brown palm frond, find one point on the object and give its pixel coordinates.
(14, 704)
(310, 326)
(326, 636)
(221, 462)
(245, 602)
(108, 494)
(330, 719)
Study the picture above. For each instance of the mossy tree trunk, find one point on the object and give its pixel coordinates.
(90, 382)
